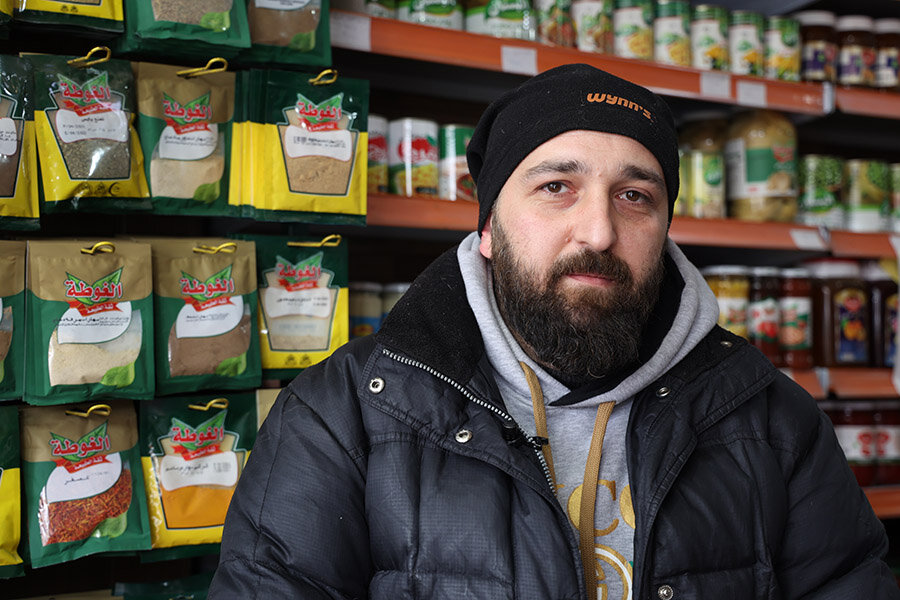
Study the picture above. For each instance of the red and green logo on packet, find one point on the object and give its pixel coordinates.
(216, 290)
(321, 116)
(202, 440)
(93, 96)
(89, 299)
(300, 276)
(193, 116)
(85, 452)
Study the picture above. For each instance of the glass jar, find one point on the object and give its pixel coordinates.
(887, 50)
(887, 442)
(763, 312)
(882, 290)
(819, 45)
(840, 313)
(795, 331)
(731, 285)
(856, 50)
(854, 425)
(702, 141)
(364, 308)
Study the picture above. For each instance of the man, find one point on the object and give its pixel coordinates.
(551, 411)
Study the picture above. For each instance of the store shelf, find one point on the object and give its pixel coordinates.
(388, 210)
(746, 234)
(402, 39)
(872, 103)
(849, 244)
(850, 382)
(885, 500)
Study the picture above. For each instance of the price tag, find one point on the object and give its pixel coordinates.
(516, 59)
(828, 97)
(806, 239)
(352, 31)
(714, 84)
(752, 93)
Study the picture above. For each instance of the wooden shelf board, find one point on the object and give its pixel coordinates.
(872, 103)
(885, 500)
(850, 382)
(421, 212)
(850, 244)
(745, 234)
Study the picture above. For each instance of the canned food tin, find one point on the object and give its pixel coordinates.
(378, 155)
(731, 286)
(783, 48)
(413, 157)
(455, 182)
(382, 8)
(512, 19)
(437, 13)
(706, 181)
(709, 37)
(867, 194)
(746, 47)
(554, 21)
(821, 179)
(672, 33)
(633, 28)
(593, 25)
(895, 197)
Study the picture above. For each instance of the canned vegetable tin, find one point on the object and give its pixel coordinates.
(866, 194)
(633, 28)
(437, 13)
(783, 48)
(378, 155)
(455, 182)
(593, 25)
(512, 19)
(895, 197)
(746, 43)
(709, 37)
(555, 22)
(820, 202)
(672, 33)
(413, 157)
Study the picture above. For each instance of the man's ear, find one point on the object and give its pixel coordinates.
(485, 246)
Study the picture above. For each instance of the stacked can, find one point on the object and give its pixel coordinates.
(413, 157)
(455, 182)
(672, 33)
(633, 28)
(382, 8)
(895, 197)
(593, 25)
(821, 183)
(378, 155)
(437, 13)
(709, 37)
(783, 48)
(867, 195)
(502, 18)
(746, 46)
(554, 22)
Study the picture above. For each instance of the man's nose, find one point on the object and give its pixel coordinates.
(594, 222)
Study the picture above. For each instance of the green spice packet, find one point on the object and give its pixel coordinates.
(303, 312)
(10, 494)
(18, 155)
(161, 27)
(205, 311)
(288, 32)
(84, 492)
(194, 449)
(89, 331)
(12, 320)
(185, 125)
(99, 15)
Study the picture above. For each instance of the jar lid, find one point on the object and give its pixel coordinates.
(765, 271)
(795, 273)
(854, 23)
(364, 286)
(887, 25)
(396, 288)
(725, 270)
(832, 268)
(824, 18)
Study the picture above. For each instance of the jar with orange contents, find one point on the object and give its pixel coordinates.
(840, 313)
(854, 425)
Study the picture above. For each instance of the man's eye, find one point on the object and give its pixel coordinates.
(635, 196)
(554, 187)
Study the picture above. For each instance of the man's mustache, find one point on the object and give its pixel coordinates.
(591, 262)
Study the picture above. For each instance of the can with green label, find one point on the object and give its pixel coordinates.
(709, 37)
(783, 48)
(746, 43)
(821, 181)
(633, 29)
(413, 157)
(437, 13)
(513, 19)
(672, 33)
(454, 180)
(867, 194)
(895, 197)
(593, 25)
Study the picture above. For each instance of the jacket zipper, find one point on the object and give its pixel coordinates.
(535, 445)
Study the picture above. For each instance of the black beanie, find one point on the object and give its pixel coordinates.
(566, 98)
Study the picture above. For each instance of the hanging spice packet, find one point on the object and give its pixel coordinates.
(184, 120)
(211, 27)
(205, 307)
(291, 32)
(98, 15)
(84, 492)
(12, 320)
(303, 314)
(18, 157)
(10, 494)
(308, 148)
(89, 151)
(194, 450)
(90, 321)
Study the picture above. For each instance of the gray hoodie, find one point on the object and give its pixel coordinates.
(570, 426)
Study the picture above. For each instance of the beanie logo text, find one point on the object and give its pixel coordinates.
(619, 101)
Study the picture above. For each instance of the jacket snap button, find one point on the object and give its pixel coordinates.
(662, 392)
(376, 386)
(463, 436)
(665, 592)
(726, 343)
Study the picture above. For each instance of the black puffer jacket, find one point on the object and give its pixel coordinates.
(391, 471)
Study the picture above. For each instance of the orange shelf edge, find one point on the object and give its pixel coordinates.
(853, 382)
(885, 500)
(873, 103)
(421, 212)
(850, 244)
(745, 234)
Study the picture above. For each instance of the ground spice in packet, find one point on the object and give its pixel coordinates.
(84, 492)
(194, 450)
(89, 331)
(292, 32)
(18, 156)
(303, 301)
(10, 494)
(205, 311)
(185, 124)
(12, 320)
(308, 148)
(100, 15)
(90, 156)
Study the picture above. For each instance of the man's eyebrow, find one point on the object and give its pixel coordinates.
(556, 166)
(642, 174)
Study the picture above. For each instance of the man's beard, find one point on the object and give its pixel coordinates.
(586, 333)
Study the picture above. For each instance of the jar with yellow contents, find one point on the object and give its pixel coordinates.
(731, 285)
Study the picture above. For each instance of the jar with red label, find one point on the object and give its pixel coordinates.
(763, 315)
(857, 50)
(840, 313)
(887, 442)
(854, 425)
(883, 298)
(795, 331)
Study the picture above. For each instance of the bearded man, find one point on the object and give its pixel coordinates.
(551, 411)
